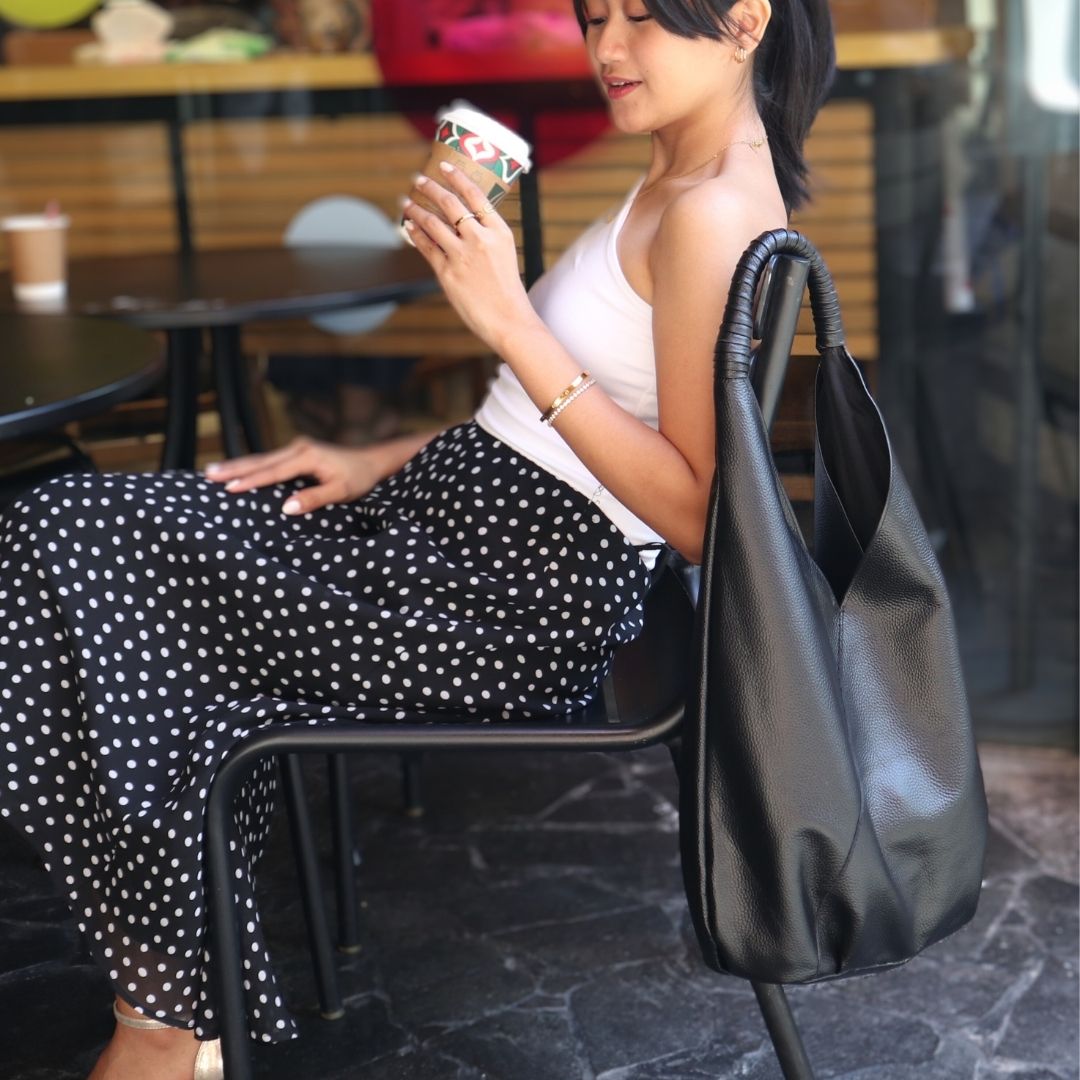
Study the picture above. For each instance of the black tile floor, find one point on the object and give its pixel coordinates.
(533, 927)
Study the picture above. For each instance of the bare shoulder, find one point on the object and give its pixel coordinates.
(713, 222)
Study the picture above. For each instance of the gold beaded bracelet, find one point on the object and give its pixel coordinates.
(562, 399)
(569, 399)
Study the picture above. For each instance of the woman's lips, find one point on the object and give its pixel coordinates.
(621, 91)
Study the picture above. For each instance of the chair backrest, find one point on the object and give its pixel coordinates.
(345, 219)
(652, 671)
(649, 674)
(776, 320)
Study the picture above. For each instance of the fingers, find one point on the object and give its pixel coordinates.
(224, 471)
(434, 233)
(446, 200)
(314, 498)
(301, 457)
(456, 204)
(467, 198)
(469, 194)
(432, 226)
(298, 458)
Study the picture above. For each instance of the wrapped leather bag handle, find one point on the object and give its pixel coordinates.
(737, 330)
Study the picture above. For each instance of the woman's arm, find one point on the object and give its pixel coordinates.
(664, 476)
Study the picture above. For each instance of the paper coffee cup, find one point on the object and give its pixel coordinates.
(487, 152)
(37, 251)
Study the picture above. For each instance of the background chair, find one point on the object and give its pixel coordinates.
(642, 704)
(29, 461)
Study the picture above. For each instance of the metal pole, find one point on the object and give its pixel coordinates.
(178, 451)
(344, 848)
(307, 869)
(239, 424)
(1026, 430)
(226, 961)
(786, 1040)
(532, 232)
(181, 203)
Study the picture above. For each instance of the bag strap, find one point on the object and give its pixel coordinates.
(732, 355)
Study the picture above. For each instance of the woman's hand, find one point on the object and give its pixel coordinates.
(342, 473)
(477, 265)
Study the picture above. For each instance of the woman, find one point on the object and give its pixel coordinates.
(493, 568)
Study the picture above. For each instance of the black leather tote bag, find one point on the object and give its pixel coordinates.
(833, 818)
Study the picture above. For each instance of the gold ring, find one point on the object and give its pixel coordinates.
(487, 208)
(464, 217)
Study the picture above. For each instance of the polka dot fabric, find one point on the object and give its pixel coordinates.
(149, 621)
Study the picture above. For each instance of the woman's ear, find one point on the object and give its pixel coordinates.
(752, 17)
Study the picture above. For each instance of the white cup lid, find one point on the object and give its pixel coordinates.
(23, 222)
(487, 127)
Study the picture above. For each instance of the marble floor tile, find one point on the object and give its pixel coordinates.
(532, 926)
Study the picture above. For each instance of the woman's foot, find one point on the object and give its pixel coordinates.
(167, 1054)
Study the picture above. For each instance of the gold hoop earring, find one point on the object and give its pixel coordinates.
(740, 54)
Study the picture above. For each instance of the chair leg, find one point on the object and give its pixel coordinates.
(226, 961)
(344, 847)
(308, 870)
(786, 1040)
(411, 794)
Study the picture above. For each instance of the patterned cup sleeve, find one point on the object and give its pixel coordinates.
(480, 150)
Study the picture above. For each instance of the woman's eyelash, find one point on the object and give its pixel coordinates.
(630, 18)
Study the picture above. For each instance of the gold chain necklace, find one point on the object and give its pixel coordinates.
(752, 143)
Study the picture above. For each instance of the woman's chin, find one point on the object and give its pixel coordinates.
(621, 122)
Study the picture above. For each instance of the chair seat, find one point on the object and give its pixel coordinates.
(642, 702)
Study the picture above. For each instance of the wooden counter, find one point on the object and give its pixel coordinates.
(279, 71)
(284, 71)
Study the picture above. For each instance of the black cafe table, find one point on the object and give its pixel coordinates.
(214, 293)
(60, 369)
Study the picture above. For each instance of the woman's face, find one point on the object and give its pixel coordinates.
(670, 76)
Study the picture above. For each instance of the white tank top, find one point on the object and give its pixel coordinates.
(591, 309)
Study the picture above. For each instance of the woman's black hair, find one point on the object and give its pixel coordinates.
(794, 67)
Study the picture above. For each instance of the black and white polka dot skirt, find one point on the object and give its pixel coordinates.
(149, 621)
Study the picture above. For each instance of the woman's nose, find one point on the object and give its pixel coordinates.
(610, 43)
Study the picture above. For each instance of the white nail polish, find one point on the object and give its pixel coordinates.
(232, 485)
(292, 506)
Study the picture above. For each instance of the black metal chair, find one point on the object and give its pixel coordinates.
(642, 705)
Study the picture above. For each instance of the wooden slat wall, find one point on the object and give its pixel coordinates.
(247, 178)
(112, 179)
(840, 221)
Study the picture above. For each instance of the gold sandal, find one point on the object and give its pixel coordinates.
(208, 1061)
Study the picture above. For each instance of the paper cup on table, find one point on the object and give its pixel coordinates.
(487, 152)
(37, 251)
